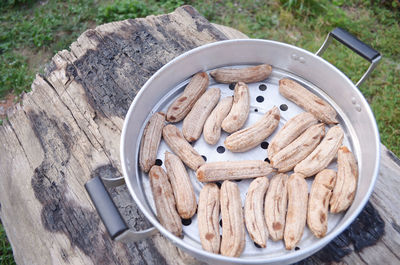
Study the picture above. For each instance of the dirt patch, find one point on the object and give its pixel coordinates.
(356, 12)
(36, 62)
(7, 103)
(36, 59)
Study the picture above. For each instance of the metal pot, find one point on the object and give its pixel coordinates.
(354, 113)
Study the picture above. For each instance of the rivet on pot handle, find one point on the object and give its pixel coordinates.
(109, 214)
(362, 49)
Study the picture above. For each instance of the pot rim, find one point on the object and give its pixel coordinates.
(281, 258)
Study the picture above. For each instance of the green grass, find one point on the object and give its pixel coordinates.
(306, 23)
(31, 31)
(6, 256)
(34, 27)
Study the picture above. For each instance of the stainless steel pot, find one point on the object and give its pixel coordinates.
(354, 113)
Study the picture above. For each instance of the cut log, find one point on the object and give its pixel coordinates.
(67, 130)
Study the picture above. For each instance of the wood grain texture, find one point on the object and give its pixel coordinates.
(67, 130)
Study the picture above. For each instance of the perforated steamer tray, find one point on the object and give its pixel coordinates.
(263, 96)
(320, 77)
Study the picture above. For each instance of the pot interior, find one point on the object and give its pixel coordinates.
(288, 62)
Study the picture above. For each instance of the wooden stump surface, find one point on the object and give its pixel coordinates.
(67, 130)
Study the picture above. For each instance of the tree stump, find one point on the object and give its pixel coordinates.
(67, 130)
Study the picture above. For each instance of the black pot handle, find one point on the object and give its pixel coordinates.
(109, 214)
(356, 45)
